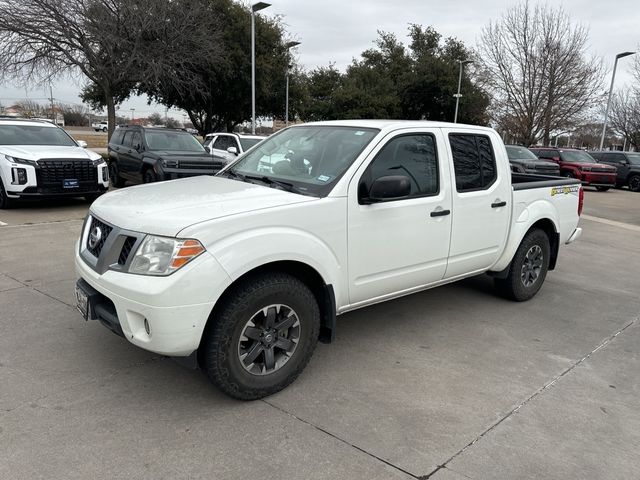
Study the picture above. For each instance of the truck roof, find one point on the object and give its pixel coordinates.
(26, 121)
(391, 125)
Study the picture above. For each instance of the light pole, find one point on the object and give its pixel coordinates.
(132, 110)
(613, 77)
(289, 46)
(458, 95)
(256, 7)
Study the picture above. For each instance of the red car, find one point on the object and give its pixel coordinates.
(579, 164)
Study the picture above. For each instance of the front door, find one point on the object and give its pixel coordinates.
(481, 201)
(398, 245)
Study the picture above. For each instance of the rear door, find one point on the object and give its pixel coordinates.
(481, 201)
(400, 244)
(126, 163)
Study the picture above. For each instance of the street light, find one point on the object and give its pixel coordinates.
(256, 7)
(613, 77)
(458, 95)
(132, 110)
(289, 46)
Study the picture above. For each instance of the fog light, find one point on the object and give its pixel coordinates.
(146, 327)
(18, 176)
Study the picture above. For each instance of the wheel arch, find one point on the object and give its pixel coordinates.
(322, 291)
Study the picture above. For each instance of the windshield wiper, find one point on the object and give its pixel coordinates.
(232, 174)
(289, 187)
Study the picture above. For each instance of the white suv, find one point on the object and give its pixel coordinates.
(227, 146)
(39, 159)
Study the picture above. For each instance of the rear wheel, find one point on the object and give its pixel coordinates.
(634, 183)
(528, 268)
(602, 189)
(568, 175)
(262, 336)
(5, 202)
(114, 175)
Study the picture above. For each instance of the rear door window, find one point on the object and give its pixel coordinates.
(473, 161)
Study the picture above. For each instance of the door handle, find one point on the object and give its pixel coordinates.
(440, 213)
(498, 204)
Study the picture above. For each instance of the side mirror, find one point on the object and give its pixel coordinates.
(138, 147)
(233, 150)
(391, 187)
(82, 144)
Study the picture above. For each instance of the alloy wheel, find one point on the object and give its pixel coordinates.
(531, 266)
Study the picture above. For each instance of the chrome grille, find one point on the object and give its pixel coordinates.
(105, 231)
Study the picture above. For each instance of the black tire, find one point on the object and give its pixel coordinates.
(602, 189)
(634, 183)
(568, 175)
(115, 179)
(149, 176)
(5, 202)
(514, 286)
(221, 349)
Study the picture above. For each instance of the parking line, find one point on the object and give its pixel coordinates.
(2, 223)
(613, 223)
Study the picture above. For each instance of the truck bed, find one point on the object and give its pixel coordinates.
(526, 181)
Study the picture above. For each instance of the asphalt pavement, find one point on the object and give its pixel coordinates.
(450, 384)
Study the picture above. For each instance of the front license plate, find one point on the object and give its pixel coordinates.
(82, 302)
(70, 183)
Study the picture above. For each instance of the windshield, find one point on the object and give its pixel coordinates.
(173, 141)
(34, 135)
(520, 153)
(576, 156)
(634, 158)
(309, 158)
(247, 143)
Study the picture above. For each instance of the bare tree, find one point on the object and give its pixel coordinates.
(535, 65)
(624, 116)
(32, 109)
(115, 44)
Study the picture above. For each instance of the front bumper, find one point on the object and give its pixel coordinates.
(598, 179)
(176, 307)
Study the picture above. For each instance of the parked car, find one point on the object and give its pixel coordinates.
(579, 164)
(150, 154)
(40, 160)
(225, 147)
(243, 272)
(100, 126)
(523, 160)
(627, 165)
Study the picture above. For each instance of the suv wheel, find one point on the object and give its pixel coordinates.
(149, 176)
(5, 202)
(261, 337)
(568, 175)
(602, 189)
(634, 183)
(114, 175)
(528, 268)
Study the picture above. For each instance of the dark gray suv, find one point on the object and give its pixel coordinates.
(523, 160)
(627, 164)
(146, 154)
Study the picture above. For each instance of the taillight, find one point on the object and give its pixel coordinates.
(580, 200)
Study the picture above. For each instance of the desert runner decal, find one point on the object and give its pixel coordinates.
(566, 190)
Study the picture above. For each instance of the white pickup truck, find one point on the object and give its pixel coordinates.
(243, 272)
(100, 126)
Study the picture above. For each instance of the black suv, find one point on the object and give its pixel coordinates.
(523, 160)
(627, 164)
(144, 155)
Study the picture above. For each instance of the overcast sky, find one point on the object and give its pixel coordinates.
(336, 31)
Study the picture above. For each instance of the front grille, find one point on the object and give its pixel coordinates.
(601, 169)
(200, 166)
(53, 172)
(105, 231)
(126, 250)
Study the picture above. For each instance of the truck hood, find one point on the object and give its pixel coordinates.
(37, 152)
(166, 208)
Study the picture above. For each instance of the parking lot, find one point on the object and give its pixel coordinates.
(452, 383)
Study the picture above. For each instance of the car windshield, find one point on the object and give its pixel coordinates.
(307, 159)
(173, 141)
(520, 153)
(35, 135)
(634, 158)
(247, 143)
(576, 156)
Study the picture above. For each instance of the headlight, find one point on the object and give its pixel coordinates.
(163, 256)
(585, 169)
(168, 163)
(99, 161)
(531, 166)
(33, 163)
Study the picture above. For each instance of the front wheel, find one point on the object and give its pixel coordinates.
(528, 268)
(115, 179)
(634, 183)
(568, 175)
(602, 189)
(5, 202)
(149, 176)
(261, 337)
